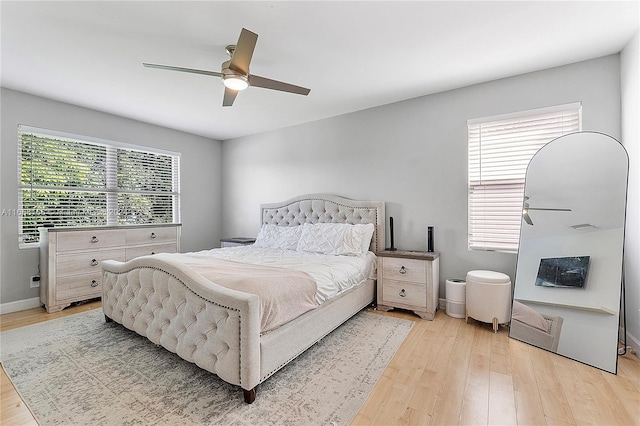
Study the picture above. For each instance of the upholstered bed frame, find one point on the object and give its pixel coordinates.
(217, 328)
(536, 337)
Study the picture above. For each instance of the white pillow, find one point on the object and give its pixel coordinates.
(278, 237)
(335, 238)
(367, 233)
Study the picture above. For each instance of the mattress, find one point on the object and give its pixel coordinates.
(333, 274)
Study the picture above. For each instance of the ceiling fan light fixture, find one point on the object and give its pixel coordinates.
(235, 81)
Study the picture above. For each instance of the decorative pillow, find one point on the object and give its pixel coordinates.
(529, 316)
(278, 237)
(335, 238)
(367, 233)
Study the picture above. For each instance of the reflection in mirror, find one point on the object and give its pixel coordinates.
(569, 268)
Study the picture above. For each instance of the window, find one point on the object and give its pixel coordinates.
(69, 180)
(500, 149)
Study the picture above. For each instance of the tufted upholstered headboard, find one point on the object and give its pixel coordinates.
(327, 208)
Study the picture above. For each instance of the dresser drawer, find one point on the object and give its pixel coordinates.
(151, 235)
(83, 263)
(405, 293)
(90, 240)
(80, 287)
(410, 270)
(133, 252)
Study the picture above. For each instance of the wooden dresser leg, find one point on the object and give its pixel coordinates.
(249, 395)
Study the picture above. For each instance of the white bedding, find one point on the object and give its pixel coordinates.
(333, 274)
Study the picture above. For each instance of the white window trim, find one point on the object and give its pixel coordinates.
(501, 233)
(47, 133)
(526, 113)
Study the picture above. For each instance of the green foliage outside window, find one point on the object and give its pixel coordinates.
(75, 183)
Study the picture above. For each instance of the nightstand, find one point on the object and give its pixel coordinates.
(409, 280)
(236, 241)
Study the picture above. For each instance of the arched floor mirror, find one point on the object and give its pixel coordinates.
(569, 268)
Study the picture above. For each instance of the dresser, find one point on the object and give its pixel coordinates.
(70, 257)
(409, 280)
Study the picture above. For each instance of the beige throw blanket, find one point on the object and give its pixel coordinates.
(284, 293)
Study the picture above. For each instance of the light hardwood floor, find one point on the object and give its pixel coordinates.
(447, 372)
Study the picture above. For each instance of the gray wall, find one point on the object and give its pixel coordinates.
(200, 176)
(630, 71)
(411, 154)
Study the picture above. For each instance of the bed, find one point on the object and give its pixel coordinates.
(169, 299)
(530, 326)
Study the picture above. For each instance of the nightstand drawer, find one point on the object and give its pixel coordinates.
(405, 293)
(410, 270)
(82, 263)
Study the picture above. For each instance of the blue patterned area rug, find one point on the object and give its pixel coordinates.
(79, 370)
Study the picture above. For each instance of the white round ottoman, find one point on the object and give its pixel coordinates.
(488, 297)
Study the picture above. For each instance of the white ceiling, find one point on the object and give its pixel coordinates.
(353, 55)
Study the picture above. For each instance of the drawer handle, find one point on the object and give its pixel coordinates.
(153, 252)
(94, 262)
(153, 235)
(94, 239)
(403, 270)
(94, 283)
(402, 293)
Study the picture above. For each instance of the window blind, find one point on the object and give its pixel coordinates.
(69, 180)
(500, 149)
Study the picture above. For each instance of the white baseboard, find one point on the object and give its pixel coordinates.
(19, 305)
(442, 304)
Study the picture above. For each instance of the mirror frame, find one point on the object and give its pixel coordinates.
(583, 323)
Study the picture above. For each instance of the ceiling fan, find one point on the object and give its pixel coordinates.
(235, 72)
(526, 208)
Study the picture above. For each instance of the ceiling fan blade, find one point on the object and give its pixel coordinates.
(189, 70)
(229, 97)
(243, 51)
(267, 83)
(550, 210)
